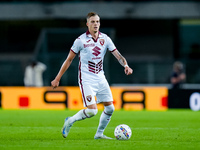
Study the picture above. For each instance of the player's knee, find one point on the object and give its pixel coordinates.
(109, 109)
(91, 112)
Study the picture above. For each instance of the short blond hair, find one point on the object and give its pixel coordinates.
(91, 14)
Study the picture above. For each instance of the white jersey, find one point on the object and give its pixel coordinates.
(91, 56)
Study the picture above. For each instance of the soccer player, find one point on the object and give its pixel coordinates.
(92, 47)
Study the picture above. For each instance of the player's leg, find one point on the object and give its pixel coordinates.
(104, 96)
(104, 120)
(91, 110)
(82, 114)
(88, 94)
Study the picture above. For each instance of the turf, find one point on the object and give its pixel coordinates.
(151, 130)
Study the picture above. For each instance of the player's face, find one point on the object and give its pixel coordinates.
(93, 24)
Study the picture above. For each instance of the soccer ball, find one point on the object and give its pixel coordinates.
(123, 132)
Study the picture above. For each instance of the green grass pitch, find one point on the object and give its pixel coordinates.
(151, 130)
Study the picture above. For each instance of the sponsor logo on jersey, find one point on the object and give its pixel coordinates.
(96, 58)
(89, 98)
(95, 68)
(101, 41)
(89, 45)
(96, 51)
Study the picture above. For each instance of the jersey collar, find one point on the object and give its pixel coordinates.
(89, 35)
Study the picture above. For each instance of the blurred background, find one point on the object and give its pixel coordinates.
(150, 34)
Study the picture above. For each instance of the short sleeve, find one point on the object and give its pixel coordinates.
(77, 45)
(110, 45)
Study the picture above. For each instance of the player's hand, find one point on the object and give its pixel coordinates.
(55, 83)
(128, 70)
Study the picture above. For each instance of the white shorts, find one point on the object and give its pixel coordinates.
(101, 90)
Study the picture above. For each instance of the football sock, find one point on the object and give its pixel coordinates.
(105, 119)
(82, 114)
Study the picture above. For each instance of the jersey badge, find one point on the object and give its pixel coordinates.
(101, 41)
(89, 98)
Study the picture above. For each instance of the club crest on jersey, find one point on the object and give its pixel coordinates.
(89, 98)
(101, 41)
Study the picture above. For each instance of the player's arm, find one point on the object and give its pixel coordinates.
(178, 79)
(64, 67)
(123, 62)
(174, 80)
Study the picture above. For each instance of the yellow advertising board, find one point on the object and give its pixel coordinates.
(128, 98)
